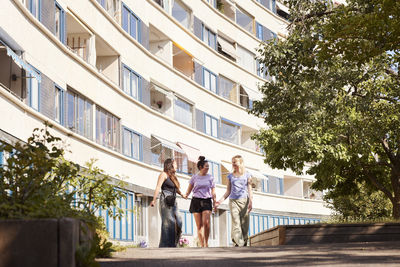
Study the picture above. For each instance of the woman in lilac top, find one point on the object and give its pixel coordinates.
(240, 201)
(203, 187)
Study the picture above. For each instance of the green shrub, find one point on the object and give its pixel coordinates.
(36, 181)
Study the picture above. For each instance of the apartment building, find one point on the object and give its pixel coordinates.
(133, 82)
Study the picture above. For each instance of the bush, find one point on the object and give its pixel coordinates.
(36, 181)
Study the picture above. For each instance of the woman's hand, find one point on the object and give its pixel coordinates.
(216, 204)
(152, 203)
(250, 207)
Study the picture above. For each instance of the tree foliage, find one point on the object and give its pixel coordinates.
(333, 106)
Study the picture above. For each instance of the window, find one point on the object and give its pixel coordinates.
(34, 92)
(120, 228)
(181, 13)
(226, 88)
(265, 185)
(187, 222)
(211, 125)
(226, 48)
(270, 4)
(275, 185)
(209, 37)
(214, 170)
(79, 114)
(246, 59)
(59, 29)
(262, 70)
(181, 162)
(139, 223)
(244, 20)
(131, 82)
(230, 131)
(162, 149)
(59, 105)
(34, 7)
(183, 112)
(1, 158)
(210, 80)
(132, 144)
(130, 22)
(260, 31)
(107, 129)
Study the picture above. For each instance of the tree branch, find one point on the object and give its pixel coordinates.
(380, 186)
(388, 152)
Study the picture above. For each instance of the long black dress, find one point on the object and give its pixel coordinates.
(171, 222)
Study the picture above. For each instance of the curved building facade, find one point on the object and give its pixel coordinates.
(133, 82)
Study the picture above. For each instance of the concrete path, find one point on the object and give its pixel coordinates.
(337, 254)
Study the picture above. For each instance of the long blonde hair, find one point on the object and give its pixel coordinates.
(241, 161)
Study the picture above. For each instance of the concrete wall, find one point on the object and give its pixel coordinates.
(40, 242)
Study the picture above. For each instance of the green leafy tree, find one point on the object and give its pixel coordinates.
(359, 203)
(333, 107)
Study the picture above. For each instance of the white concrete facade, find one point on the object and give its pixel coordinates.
(158, 80)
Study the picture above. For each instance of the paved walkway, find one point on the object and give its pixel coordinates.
(338, 254)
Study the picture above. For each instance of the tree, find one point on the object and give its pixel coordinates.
(358, 203)
(333, 107)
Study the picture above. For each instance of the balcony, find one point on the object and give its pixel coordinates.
(107, 60)
(246, 140)
(80, 39)
(227, 8)
(183, 61)
(161, 100)
(160, 45)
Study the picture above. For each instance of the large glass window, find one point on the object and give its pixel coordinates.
(107, 129)
(34, 91)
(226, 88)
(209, 37)
(214, 170)
(130, 22)
(183, 112)
(140, 218)
(181, 13)
(187, 222)
(270, 4)
(211, 125)
(59, 23)
(131, 82)
(210, 80)
(246, 59)
(79, 114)
(244, 20)
(230, 131)
(58, 105)
(132, 144)
(275, 185)
(34, 7)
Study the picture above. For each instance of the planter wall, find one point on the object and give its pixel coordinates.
(326, 233)
(39, 242)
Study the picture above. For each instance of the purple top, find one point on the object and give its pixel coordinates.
(239, 185)
(202, 185)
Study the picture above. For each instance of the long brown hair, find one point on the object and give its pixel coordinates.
(169, 170)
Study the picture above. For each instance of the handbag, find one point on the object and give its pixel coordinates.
(170, 199)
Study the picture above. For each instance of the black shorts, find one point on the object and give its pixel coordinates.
(200, 205)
